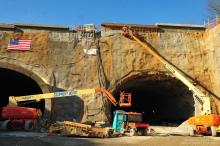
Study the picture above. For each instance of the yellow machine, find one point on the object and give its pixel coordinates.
(14, 100)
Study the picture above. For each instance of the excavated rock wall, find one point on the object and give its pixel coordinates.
(58, 58)
(212, 44)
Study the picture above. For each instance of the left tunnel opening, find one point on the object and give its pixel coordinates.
(13, 83)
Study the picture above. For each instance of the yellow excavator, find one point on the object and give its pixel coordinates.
(17, 117)
(204, 121)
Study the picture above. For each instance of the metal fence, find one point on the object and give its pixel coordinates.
(213, 22)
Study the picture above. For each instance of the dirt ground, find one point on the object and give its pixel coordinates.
(39, 139)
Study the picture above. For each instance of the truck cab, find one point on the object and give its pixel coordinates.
(129, 122)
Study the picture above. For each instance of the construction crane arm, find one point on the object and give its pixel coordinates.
(14, 100)
(198, 95)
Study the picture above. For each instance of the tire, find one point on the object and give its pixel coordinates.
(122, 131)
(38, 125)
(132, 132)
(145, 132)
(191, 132)
(139, 132)
(213, 131)
(28, 126)
(6, 125)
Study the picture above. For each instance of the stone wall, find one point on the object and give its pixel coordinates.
(212, 46)
(60, 61)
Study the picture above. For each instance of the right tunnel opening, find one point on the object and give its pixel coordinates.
(162, 101)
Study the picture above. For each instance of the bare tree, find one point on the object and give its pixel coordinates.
(213, 8)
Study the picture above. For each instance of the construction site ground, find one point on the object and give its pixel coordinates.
(42, 139)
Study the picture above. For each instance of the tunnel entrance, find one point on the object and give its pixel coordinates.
(162, 101)
(16, 84)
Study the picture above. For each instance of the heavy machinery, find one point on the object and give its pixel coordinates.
(13, 116)
(70, 128)
(205, 124)
(19, 118)
(129, 122)
(200, 95)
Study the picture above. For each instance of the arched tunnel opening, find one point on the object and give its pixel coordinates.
(162, 101)
(14, 83)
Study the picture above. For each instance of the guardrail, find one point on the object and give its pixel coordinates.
(213, 22)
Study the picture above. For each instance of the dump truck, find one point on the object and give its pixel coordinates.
(14, 116)
(129, 122)
(201, 96)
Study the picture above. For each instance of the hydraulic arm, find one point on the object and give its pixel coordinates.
(14, 100)
(198, 95)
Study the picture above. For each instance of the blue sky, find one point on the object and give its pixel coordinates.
(73, 12)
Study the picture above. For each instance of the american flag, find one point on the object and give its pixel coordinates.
(19, 44)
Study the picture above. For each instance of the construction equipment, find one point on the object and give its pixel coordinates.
(125, 99)
(205, 124)
(19, 118)
(78, 129)
(200, 95)
(129, 122)
(15, 100)
(13, 116)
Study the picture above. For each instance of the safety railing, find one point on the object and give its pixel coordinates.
(212, 22)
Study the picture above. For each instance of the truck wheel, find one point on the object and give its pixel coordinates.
(132, 131)
(28, 126)
(6, 125)
(191, 132)
(122, 131)
(145, 132)
(213, 131)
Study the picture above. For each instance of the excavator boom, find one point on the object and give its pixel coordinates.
(14, 100)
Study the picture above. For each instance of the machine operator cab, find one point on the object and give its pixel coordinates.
(129, 122)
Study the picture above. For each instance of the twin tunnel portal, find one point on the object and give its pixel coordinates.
(161, 101)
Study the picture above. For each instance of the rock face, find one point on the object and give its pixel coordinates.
(59, 60)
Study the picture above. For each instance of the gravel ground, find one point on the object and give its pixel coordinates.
(38, 139)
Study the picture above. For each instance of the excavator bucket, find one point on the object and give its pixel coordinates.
(125, 99)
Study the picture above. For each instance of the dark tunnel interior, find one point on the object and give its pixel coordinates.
(161, 101)
(16, 84)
